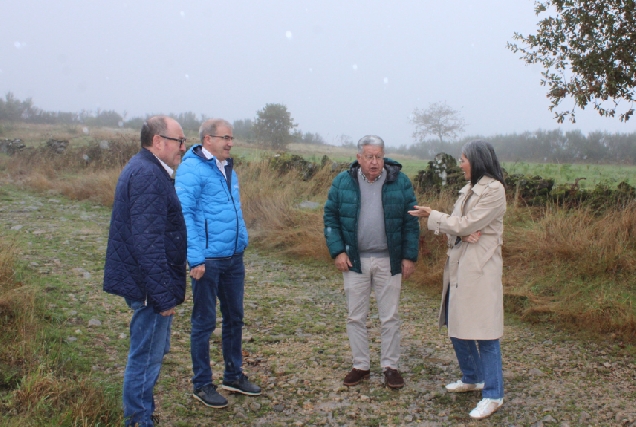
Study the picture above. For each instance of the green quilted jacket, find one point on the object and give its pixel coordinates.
(343, 207)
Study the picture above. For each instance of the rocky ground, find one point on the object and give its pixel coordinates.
(296, 346)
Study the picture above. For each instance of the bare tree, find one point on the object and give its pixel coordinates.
(439, 120)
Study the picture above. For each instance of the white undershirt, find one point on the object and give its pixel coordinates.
(219, 164)
(165, 166)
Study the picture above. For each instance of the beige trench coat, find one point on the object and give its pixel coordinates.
(474, 270)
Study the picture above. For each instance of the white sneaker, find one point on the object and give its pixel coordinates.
(485, 408)
(460, 387)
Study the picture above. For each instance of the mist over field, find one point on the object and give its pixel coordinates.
(341, 68)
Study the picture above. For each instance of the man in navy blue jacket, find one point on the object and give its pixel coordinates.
(208, 189)
(146, 258)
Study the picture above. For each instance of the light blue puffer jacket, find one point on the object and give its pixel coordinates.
(211, 208)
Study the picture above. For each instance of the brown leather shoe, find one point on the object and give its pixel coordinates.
(356, 376)
(393, 379)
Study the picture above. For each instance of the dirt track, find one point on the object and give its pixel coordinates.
(296, 346)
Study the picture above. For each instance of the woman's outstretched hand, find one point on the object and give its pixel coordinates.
(421, 211)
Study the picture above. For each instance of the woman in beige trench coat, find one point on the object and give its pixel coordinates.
(472, 297)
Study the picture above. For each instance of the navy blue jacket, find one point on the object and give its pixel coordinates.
(146, 254)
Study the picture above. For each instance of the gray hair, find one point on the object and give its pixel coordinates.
(483, 161)
(209, 126)
(370, 140)
(155, 125)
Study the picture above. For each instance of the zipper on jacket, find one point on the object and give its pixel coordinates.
(237, 223)
(231, 198)
(206, 233)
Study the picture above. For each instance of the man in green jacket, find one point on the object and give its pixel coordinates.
(374, 242)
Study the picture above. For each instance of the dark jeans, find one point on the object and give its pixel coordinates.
(480, 362)
(149, 342)
(223, 279)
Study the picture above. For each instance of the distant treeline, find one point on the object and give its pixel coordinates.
(552, 146)
(15, 110)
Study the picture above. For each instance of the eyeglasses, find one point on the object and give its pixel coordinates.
(225, 137)
(369, 158)
(181, 141)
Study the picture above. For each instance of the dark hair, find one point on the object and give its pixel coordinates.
(483, 161)
(370, 140)
(155, 125)
(209, 126)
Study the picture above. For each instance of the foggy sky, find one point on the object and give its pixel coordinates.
(340, 67)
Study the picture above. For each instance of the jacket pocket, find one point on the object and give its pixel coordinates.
(176, 247)
(488, 250)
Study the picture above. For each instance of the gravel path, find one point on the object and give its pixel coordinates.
(296, 346)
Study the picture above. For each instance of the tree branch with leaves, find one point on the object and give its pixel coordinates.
(273, 126)
(588, 51)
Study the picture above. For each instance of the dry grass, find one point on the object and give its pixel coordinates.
(270, 207)
(575, 267)
(98, 186)
(69, 174)
(46, 398)
(40, 393)
(19, 320)
(35, 135)
(567, 266)
(430, 265)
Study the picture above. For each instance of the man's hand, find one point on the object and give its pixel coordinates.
(197, 272)
(408, 267)
(342, 262)
(169, 312)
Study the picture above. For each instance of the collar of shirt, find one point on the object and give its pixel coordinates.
(220, 164)
(165, 166)
(365, 178)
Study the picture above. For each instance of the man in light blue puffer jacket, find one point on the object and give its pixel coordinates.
(208, 189)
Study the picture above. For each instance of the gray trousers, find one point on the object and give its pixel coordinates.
(376, 275)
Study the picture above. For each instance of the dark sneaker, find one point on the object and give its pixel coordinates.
(242, 385)
(393, 379)
(209, 396)
(356, 376)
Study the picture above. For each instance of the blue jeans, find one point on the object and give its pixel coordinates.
(480, 362)
(149, 342)
(223, 279)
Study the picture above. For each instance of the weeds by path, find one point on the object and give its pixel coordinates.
(296, 346)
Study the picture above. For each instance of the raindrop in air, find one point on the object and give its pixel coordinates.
(182, 13)
(288, 34)
(355, 67)
(386, 80)
(187, 76)
(85, 130)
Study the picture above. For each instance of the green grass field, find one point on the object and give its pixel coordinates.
(567, 173)
(562, 173)
(36, 135)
